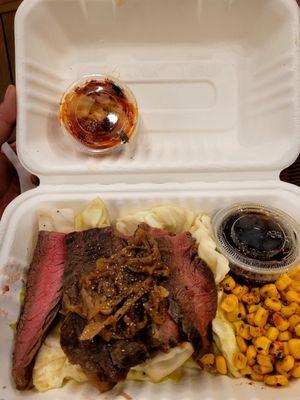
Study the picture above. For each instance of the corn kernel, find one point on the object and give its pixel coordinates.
(294, 320)
(234, 316)
(283, 282)
(253, 308)
(288, 311)
(286, 350)
(250, 318)
(267, 326)
(240, 360)
(295, 273)
(221, 365)
(296, 370)
(295, 286)
(262, 345)
(257, 377)
(237, 314)
(251, 355)
(208, 359)
(276, 380)
(246, 371)
(229, 303)
(277, 349)
(265, 361)
(237, 325)
(287, 363)
(255, 291)
(248, 298)
(240, 290)
(251, 298)
(280, 370)
(292, 296)
(272, 304)
(261, 369)
(294, 348)
(280, 323)
(242, 310)
(261, 317)
(297, 330)
(242, 329)
(228, 283)
(242, 344)
(272, 333)
(256, 331)
(285, 336)
(269, 290)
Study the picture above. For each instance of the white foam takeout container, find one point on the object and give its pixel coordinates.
(217, 83)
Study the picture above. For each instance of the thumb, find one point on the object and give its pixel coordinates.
(8, 111)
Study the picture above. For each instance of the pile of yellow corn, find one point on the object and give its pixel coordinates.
(266, 321)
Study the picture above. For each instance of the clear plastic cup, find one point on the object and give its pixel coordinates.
(260, 242)
(99, 113)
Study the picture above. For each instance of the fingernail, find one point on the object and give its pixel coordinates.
(9, 91)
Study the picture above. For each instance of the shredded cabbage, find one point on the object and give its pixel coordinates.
(224, 338)
(162, 365)
(52, 366)
(95, 215)
(202, 232)
(174, 219)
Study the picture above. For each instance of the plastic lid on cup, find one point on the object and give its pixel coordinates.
(100, 113)
(261, 243)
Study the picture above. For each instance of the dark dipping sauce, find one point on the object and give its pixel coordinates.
(98, 114)
(257, 236)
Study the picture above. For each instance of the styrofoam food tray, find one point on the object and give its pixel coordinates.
(217, 82)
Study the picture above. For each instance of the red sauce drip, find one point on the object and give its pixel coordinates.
(5, 289)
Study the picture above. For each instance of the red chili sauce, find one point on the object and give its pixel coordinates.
(98, 114)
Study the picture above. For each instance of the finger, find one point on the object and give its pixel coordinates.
(8, 112)
(9, 183)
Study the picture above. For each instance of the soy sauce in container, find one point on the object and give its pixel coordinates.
(261, 243)
(99, 113)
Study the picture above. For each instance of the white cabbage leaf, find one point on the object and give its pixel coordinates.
(207, 248)
(163, 364)
(52, 366)
(224, 338)
(173, 219)
(95, 215)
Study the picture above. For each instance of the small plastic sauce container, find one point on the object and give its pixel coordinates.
(261, 243)
(99, 113)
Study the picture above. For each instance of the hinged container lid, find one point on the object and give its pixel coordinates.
(217, 83)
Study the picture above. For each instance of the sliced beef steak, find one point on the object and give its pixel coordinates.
(167, 334)
(193, 293)
(108, 362)
(102, 267)
(82, 251)
(130, 276)
(42, 301)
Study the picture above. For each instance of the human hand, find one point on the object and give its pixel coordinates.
(9, 181)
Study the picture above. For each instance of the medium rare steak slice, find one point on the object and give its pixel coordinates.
(193, 293)
(167, 335)
(42, 301)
